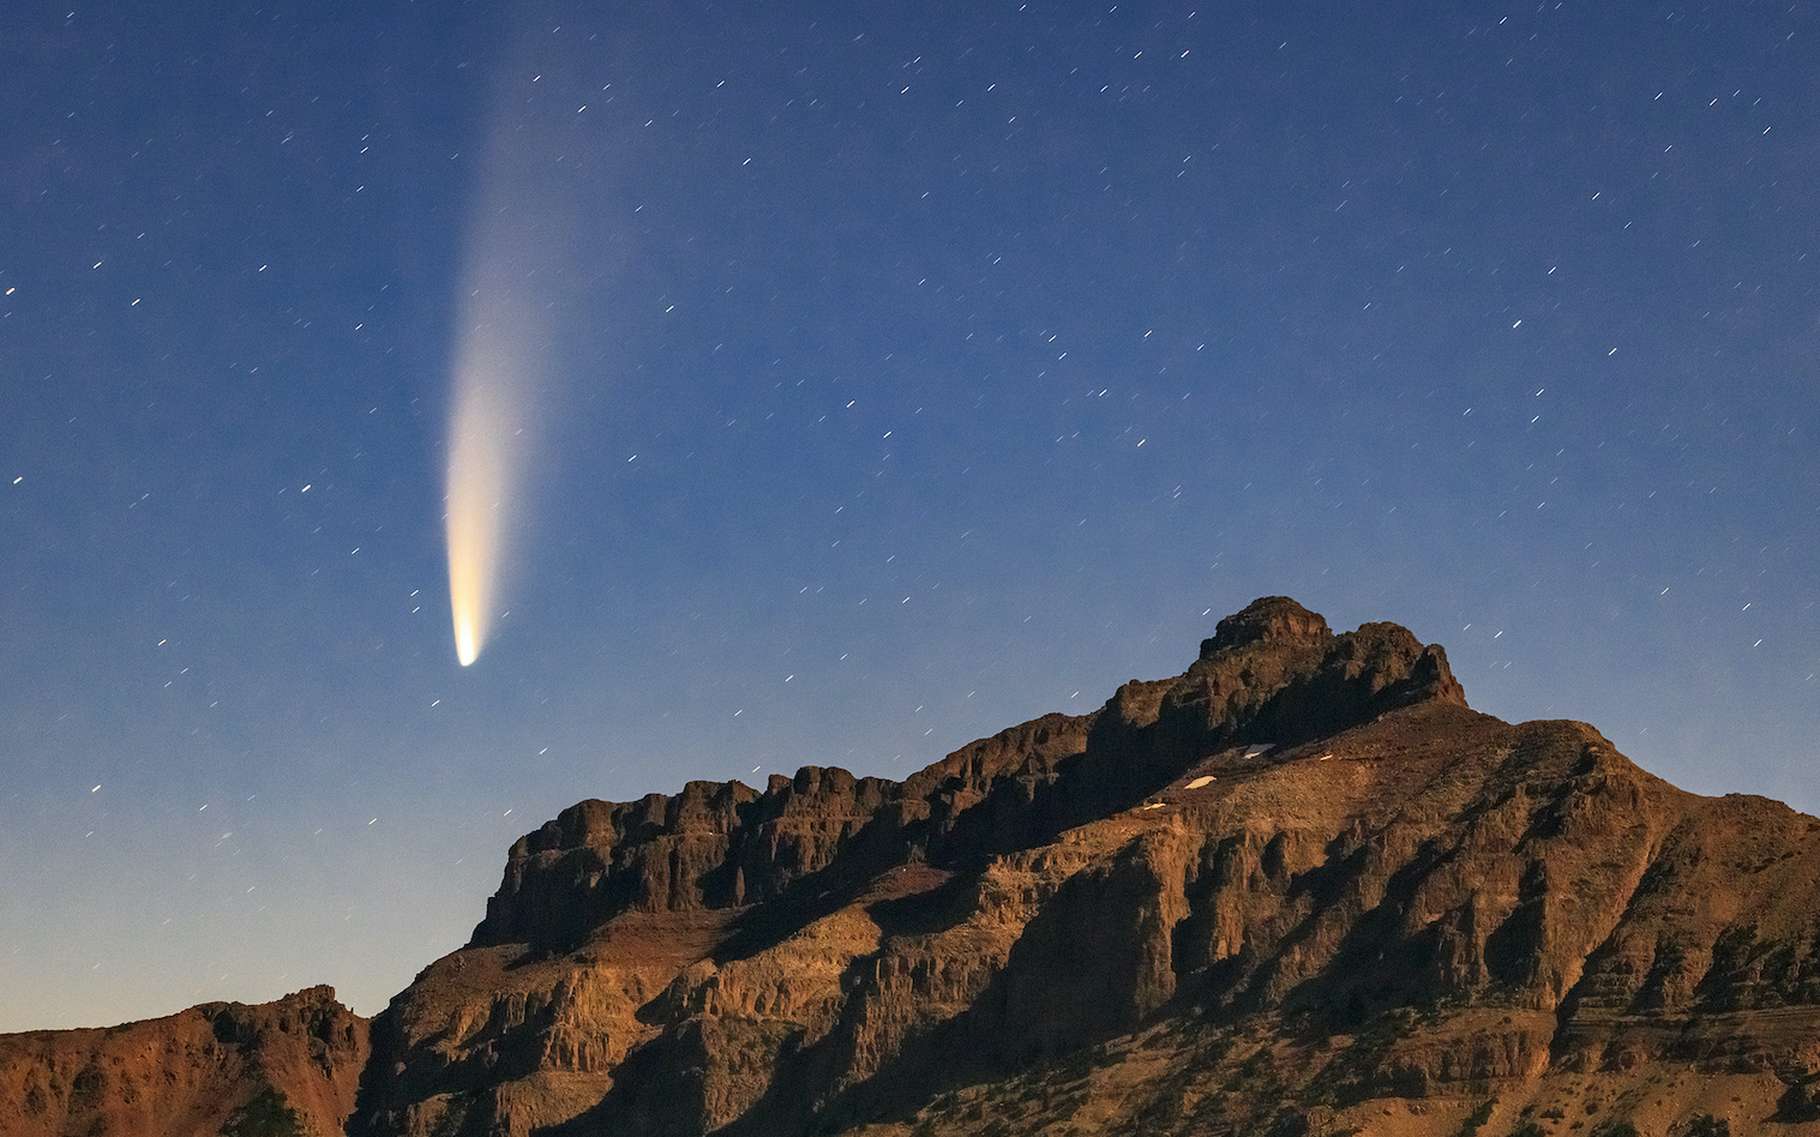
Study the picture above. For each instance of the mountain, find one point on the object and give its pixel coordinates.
(283, 1069)
(1301, 888)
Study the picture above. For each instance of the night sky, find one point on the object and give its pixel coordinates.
(907, 371)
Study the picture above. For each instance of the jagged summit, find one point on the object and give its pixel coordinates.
(1275, 672)
(1267, 618)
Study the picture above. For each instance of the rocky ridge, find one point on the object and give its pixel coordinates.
(1300, 888)
(1301, 885)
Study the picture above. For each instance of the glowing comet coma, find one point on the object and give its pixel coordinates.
(476, 487)
(499, 363)
(501, 356)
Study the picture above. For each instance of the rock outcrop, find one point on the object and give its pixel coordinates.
(1301, 888)
(284, 1069)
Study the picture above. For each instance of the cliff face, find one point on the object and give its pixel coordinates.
(283, 1069)
(1301, 887)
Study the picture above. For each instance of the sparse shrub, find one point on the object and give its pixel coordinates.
(85, 1090)
(1801, 1102)
(1163, 1111)
(1290, 1123)
(1476, 1120)
(267, 1115)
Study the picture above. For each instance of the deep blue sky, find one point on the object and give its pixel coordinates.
(923, 367)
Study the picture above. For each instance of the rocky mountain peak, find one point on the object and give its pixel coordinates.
(1272, 618)
(1273, 671)
(1299, 889)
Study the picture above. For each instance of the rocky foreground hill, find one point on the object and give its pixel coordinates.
(289, 1067)
(1301, 888)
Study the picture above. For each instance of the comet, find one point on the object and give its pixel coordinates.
(500, 371)
(478, 485)
(501, 363)
(526, 272)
